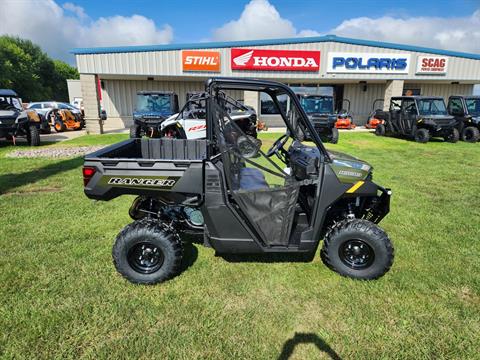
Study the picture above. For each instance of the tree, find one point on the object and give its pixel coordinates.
(25, 68)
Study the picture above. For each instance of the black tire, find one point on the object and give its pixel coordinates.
(453, 136)
(33, 136)
(358, 249)
(135, 131)
(145, 252)
(422, 135)
(335, 135)
(59, 126)
(380, 130)
(470, 134)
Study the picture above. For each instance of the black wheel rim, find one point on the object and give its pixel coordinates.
(356, 254)
(145, 257)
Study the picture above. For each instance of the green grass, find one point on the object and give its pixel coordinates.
(60, 296)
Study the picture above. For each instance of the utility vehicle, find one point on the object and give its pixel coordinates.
(15, 121)
(282, 201)
(466, 110)
(418, 117)
(320, 110)
(344, 118)
(190, 122)
(152, 108)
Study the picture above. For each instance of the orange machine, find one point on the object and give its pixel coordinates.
(64, 119)
(375, 117)
(344, 119)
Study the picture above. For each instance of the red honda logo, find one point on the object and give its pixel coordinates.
(275, 60)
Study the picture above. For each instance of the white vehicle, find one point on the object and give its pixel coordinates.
(47, 109)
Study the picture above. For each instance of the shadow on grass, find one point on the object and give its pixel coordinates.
(307, 338)
(190, 255)
(268, 258)
(11, 181)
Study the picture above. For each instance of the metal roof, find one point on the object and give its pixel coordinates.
(299, 40)
(7, 92)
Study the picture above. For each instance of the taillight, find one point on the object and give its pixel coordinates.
(88, 172)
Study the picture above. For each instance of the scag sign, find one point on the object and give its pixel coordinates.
(194, 60)
(432, 65)
(369, 63)
(275, 60)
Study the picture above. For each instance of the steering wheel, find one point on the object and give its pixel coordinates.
(277, 146)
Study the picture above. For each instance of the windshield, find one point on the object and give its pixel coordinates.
(432, 107)
(153, 103)
(317, 104)
(8, 103)
(473, 106)
(66, 106)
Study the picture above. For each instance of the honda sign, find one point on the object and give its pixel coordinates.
(275, 60)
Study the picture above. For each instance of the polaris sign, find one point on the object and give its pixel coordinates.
(368, 63)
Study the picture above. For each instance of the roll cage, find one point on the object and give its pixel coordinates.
(214, 86)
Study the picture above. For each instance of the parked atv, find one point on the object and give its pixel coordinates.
(377, 116)
(344, 118)
(190, 122)
(64, 119)
(466, 110)
(419, 118)
(152, 108)
(237, 202)
(321, 113)
(15, 121)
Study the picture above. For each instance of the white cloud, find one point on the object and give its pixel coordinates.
(259, 20)
(57, 30)
(459, 33)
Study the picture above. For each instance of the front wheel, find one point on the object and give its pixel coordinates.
(422, 135)
(334, 136)
(135, 131)
(33, 136)
(358, 249)
(147, 253)
(59, 126)
(380, 130)
(453, 136)
(470, 134)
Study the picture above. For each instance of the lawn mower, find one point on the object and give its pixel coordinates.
(64, 119)
(344, 118)
(466, 110)
(377, 116)
(419, 118)
(216, 192)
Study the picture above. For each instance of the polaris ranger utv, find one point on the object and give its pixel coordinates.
(466, 110)
(152, 108)
(417, 117)
(284, 200)
(15, 121)
(321, 113)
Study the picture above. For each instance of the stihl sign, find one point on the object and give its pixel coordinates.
(275, 60)
(194, 60)
(432, 65)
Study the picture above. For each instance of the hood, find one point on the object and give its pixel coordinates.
(348, 168)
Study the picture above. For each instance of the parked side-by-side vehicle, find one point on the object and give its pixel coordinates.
(466, 110)
(417, 117)
(237, 201)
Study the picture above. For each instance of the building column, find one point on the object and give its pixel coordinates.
(251, 98)
(91, 104)
(393, 88)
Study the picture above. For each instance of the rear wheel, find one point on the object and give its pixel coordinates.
(470, 134)
(147, 253)
(380, 130)
(135, 131)
(334, 136)
(453, 136)
(33, 136)
(358, 249)
(422, 135)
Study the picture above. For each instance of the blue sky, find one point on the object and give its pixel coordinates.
(194, 20)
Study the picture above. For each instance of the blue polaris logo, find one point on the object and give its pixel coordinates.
(360, 63)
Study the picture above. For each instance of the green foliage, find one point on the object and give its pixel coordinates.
(25, 68)
(60, 297)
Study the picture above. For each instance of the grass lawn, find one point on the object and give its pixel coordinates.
(60, 296)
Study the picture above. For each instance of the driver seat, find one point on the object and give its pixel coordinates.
(252, 179)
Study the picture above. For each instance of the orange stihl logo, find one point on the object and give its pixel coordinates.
(194, 60)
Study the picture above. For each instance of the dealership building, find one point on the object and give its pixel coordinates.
(357, 70)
